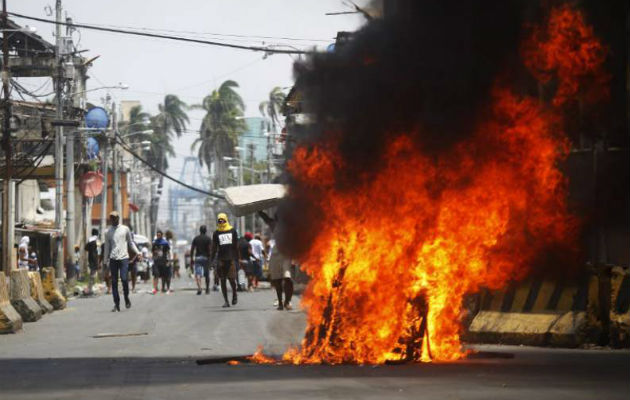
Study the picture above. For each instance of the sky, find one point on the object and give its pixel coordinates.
(153, 67)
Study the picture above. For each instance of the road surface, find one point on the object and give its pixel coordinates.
(70, 355)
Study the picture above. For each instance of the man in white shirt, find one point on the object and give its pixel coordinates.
(258, 252)
(117, 244)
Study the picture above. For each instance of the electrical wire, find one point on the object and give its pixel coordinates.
(160, 36)
(164, 174)
(213, 33)
(41, 157)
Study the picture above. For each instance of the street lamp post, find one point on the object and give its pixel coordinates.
(241, 220)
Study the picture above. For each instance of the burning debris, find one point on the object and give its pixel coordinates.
(432, 171)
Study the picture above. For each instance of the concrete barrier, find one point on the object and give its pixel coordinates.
(540, 312)
(10, 320)
(620, 307)
(21, 298)
(51, 289)
(37, 292)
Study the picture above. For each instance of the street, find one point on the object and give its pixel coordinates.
(59, 358)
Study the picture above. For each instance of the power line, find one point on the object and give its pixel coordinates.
(160, 36)
(214, 33)
(148, 164)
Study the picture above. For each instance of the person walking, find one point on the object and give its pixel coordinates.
(258, 256)
(280, 268)
(106, 273)
(245, 252)
(133, 264)
(161, 250)
(76, 262)
(200, 258)
(117, 245)
(92, 248)
(225, 248)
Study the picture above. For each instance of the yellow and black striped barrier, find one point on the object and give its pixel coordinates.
(591, 309)
(620, 307)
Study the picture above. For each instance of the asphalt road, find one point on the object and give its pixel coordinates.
(64, 356)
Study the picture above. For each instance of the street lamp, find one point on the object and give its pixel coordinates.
(120, 86)
(25, 29)
(144, 132)
(240, 181)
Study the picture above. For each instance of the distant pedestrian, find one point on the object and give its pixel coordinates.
(225, 248)
(200, 258)
(280, 269)
(23, 259)
(245, 251)
(168, 235)
(117, 245)
(33, 263)
(76, 262)
(161, 250)
(133, 264)
(258, 257)
(92, 249)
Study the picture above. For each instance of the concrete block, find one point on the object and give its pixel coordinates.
(574, 328)
(10, 320)
(511, 328)
(21, 299)
(51, 289)
(37, 292)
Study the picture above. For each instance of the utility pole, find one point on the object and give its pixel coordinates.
(240, 183)
(105, 183)
(59, 143)
(7, 192)
(70, 236)
(116, 187)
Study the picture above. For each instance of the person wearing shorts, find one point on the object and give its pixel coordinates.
(245, 251)
(257, 259)
(225, 248)
(279, 268)
(161, 270)
(200, 256)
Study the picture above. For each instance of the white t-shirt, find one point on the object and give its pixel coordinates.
(257, 248)
(23, 252)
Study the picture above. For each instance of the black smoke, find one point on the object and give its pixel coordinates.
(427, 71)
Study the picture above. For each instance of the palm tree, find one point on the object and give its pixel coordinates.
(272, 107)
(220, 128)
(172, 117)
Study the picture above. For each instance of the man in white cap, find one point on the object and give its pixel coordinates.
(118, 242)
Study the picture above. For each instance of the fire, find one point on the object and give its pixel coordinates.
(259, 358)
(400, 249)
(567, 48)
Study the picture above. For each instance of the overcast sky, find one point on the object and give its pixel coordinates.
(154, 67)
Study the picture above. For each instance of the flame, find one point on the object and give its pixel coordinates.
(404, 246)
(259, 358)
(567, 48)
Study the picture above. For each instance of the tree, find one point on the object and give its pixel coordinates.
(172, 117)
(272, 107)
(220, 128)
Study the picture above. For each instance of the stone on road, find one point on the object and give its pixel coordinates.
(149, 352)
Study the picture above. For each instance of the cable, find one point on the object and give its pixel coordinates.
(145, 162)
(213, 33)
(42, 156)
(159, 36)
